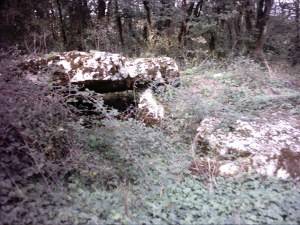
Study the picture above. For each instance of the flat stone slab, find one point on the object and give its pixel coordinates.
(101, 71)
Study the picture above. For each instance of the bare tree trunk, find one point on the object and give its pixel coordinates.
(263, 13)
(109, 9)
(148, 12)
(52, 19)
(62, 24)
(119, 22)
(101, 7)
(296, 54)
(212, 41)
(165, 17)
(233, 33)
(86, 14)
(148, 26)
(249, 14)
(198, 8)
(183, 28)
(297, 21)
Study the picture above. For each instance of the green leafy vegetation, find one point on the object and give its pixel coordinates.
(124, 172)
(73, 156)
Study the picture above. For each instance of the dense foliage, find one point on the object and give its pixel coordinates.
(64, 166)
(183, 29)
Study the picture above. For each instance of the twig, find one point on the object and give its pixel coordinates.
(268, 66)
(193, 146)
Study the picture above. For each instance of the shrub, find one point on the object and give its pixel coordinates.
(37, 143)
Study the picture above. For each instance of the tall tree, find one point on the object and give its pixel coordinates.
(148, 26)
(101, 6)
(263, 13)
(297, 21)
(62, 24)
(119, 22)
(165, 16)
(79, 21)
(296, 48)
(188, 11)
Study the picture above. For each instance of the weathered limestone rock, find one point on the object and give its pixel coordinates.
(102, 71)
(269, 146)
(149, 109)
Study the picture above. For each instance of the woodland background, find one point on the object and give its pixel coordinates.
(178, 28)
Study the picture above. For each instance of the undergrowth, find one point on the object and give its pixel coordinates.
(67, 159)
(246, 200)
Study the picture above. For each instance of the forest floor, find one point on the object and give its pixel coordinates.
(123, 172)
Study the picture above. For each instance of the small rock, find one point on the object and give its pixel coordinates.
(229, 169)
(149, 109)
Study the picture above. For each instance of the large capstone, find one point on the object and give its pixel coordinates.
(102, 71)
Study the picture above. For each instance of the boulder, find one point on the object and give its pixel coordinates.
(267, 145)
(102, 71)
